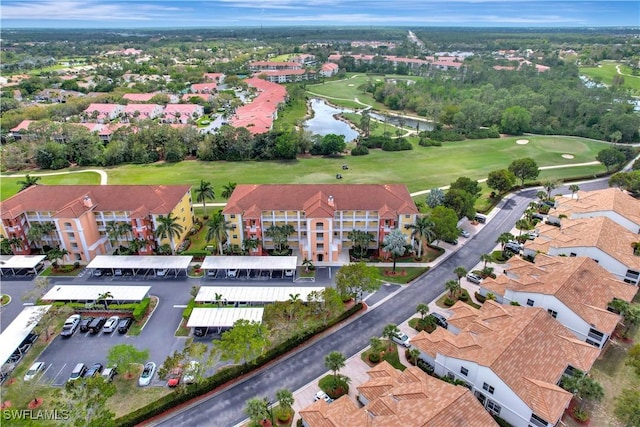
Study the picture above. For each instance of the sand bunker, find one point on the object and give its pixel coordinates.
(522, 141)
(568, 156)
(350, 84)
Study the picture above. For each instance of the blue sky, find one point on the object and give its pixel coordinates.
(253, 13)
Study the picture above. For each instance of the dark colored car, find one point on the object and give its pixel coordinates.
(440, 320)
(84, 323)
(30, 339)
(450, 241)
(200, 332)
(480, 218)
(96, 325)
(124, 325)
(94, 370)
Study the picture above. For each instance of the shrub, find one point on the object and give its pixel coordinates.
(480, 298)
(141, 308)
(483, 133)
(187, 311)
(425, 366)
(426, 142)
(464, 295)
(399, 144)
(444, 135)
(360, 150)
(374, 357)
(449, 302)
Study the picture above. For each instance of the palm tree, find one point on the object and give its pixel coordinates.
(376, 345)
(394, 243)
(574, 188)
(28, 182)
(308, 264)
(486, 258)
(217, 230)
(423, 309)
(250, 244)
(280, 235)
(549, 185)
(35, 233)
(203, 193)
(285, 397)
(390, 331)
(168, 227)
(56, 254)
(522, 224)
(360, 239)
(104, 297)
(227, 190)
(49, 228)
(423, 229)
(504, 238)
(583, 387)
(16, 244)
(460, 272)
(414, 354)
(631, 317)
(334, 361)
(453, 287)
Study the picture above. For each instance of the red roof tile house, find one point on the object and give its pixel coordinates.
(322, 215)
(141, 111)
(329, 69)
(258, 116)
(139, 97)
(22, 130)
(576, 291)
(209, 87)
(103, 112)
(182, 113)
(213, 77)
(80, 214)
(512, 358)
(394, 398)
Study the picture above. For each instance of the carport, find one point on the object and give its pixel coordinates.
(251, 267)
(91, 294)
(161, 266)
(14, 264)
(17, 331)
(221, 319)
(252, 295)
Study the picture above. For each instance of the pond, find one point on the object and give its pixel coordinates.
(408, 122)
(324, 123)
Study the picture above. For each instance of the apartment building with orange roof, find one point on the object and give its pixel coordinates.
(614, 203)
(80, 214)
(576, 291)
(408, 398)
(512, 358)
(322, 215)
(605, 241)
(258, 115)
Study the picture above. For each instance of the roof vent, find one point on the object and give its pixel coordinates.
(330, 201)
(87, 202)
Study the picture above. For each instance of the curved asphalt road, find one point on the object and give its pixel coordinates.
(225, 408)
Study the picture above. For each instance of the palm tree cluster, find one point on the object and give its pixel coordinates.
(168, 227)
(115, 230)
(360, 242)
(423, 229)
(217, 230)
(280, 235)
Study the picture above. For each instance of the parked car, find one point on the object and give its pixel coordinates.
(97, 273)
(84, 323)
(161, 272)
(450, 241)
(324, 396)
(514, 247)
(191, 372)
(30, 339)
(111, 324)
(94, 370)
(200, 331)
(33, 371)
(232, 273)
(538, 216)
(70, 325)
(289, 273)
(117, 272)
(78, 372)
(440, 320)
(480, 218)
(109, 373)
(175, 375)
(147, 374)
(124, 325)
(474, 278)
(96, 324)
(402, 339)
(464, 233)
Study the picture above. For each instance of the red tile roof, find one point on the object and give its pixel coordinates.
(213, 77)
(203, 87)
(258, 116)
(372, 197)
(139, 97)
(23, 125)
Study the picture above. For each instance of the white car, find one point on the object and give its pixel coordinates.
(402, 339)
(324, 396)
(147, 374)
(232, 273)
(191, 372)
(474, 278)
(70, 325)
(33, 371)
(111, 324)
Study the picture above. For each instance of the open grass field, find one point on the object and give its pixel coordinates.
(420, 169)
(9, 186)
(343, 92)
(607, 70)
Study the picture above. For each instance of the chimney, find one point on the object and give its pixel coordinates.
(87, 202)
(330, 201)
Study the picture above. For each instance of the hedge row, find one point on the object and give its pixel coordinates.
(141, 308)
(223, 376)
(138, 310)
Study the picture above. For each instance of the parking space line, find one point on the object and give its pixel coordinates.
(179, 306)
(53, 381)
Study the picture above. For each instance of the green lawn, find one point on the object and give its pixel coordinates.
(420, 169)
(347, 89)
(607, 69)
(9, 186)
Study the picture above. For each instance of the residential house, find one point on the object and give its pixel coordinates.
(21, 131)
(599, 238)
(306, 59)
(322, 215)
(80, 214)
(142, 111)
(209, 87)
(408, 398)
(615, 204)
(103, 112)
(576, 291)
(512, 358)
(213, 77)
(139, 97)
(258, 116)
(182, 113)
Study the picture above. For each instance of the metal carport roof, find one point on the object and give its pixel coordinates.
(17, 331)
(222, 317)
(91, 293)
(250, 262)
(254, 293)
(20, 261)
(137, 262)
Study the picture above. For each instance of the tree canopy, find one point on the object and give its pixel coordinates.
(353, 280)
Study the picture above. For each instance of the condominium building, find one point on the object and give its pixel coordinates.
(322, 215)
(80, 215)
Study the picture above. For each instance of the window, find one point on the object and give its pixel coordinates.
(488, 388)
(537, 421)
(553, 313)
(530, 302)
(493, 407)
(235, 236)
(464, 371)
(78, 257)
(232, 216)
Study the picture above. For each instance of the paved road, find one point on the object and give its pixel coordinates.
(298, 369)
